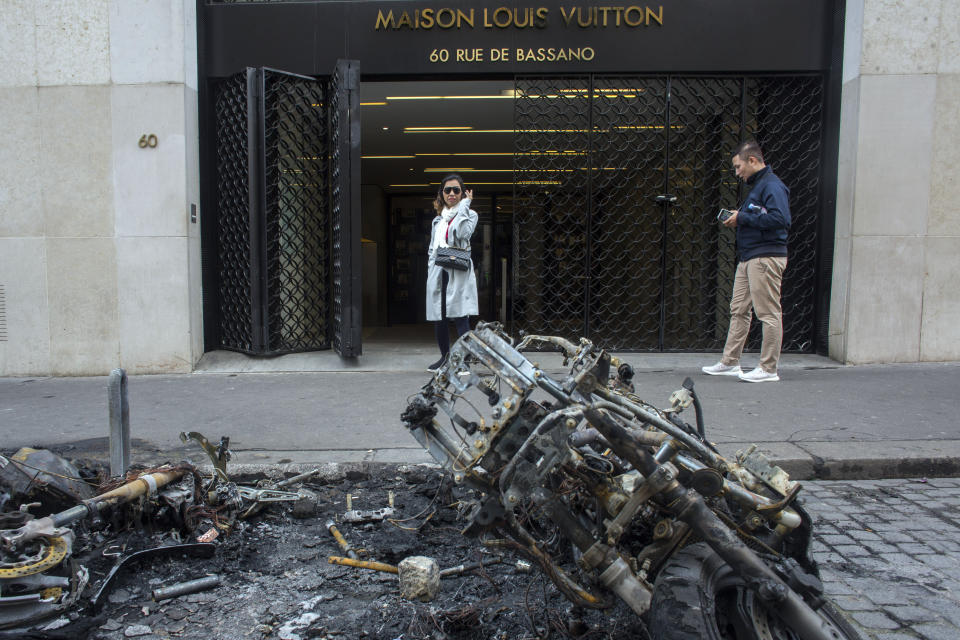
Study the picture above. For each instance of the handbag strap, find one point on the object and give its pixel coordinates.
(446, 235)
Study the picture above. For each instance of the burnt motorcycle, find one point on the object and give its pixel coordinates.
(579, 467)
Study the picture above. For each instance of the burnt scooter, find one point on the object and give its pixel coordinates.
(700, 546)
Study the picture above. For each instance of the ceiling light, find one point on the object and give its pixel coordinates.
(453, 130)
(373, 104)
(438, 128)
(489, 97)
(446, 170)
(383, 157)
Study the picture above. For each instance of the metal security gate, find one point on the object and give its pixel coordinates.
(280, 240)
(617, 183)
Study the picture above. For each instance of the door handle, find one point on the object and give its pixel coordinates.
(665, 198)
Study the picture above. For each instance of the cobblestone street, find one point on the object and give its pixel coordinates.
(889, 553)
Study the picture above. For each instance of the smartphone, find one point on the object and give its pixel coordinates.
(724, 214)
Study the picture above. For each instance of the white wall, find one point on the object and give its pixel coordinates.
(898, 202)
(98, 259)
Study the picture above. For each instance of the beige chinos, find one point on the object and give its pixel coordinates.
(756, 286)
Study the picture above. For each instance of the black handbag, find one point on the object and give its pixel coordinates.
(452, 258)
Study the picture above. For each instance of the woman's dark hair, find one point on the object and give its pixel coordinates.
(438, 201)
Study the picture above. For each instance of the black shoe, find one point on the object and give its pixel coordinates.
(436, 366)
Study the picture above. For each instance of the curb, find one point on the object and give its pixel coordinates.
(800, 469)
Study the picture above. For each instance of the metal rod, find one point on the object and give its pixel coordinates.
(119, 409)
(363, 564)
(463, 568)
(297, 478)
(183, 588)
(347, 548)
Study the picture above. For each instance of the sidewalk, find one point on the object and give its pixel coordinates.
(822, 420)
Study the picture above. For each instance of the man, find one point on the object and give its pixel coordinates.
(761, 221)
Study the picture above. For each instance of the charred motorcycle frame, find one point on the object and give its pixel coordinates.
(634, 489)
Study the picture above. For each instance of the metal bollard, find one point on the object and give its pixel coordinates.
(119, 408)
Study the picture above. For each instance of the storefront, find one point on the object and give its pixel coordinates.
(597, 138)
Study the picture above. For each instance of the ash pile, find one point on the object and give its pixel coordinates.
(337, 552)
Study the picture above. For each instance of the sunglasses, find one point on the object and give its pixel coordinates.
(453, 190)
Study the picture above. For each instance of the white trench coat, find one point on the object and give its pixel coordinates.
(462, 287)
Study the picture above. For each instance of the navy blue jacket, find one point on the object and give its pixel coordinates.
(763, 218)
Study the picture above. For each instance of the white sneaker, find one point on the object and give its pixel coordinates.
(759, 375)
(721, 369)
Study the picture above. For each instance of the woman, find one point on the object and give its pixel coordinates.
(451, 293)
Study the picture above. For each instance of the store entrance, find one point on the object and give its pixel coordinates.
(413, 135)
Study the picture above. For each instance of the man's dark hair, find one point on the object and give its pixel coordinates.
(749, 148)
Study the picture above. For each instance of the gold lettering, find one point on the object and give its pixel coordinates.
(604, 11)
(542, 17)
(464, 17)
(656, 16)
(638, 21)
(404, 21)
(426, 19)
(449, 13)
(527, 17)
(385, 21)
(588, 54)
(591, 14)
(566, 17)
(618, 11)
(502, 17)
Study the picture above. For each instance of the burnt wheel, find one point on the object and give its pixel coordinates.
(697, 596)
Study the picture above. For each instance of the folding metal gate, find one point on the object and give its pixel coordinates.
(618, 180)
(287, 220)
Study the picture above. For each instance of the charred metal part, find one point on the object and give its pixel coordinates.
(655, 483)
(119, 410)
(219, 455)
(347, 548)
(785, 516)
(363, 564)
(198, 550)
(30, 582)
(39, 474)
(267, 495)
(372, 515)
(460, 569)
(668, 427)
(44, 552)
(184, 588)
(698, 409)
(228, 496)
(759, 465)
(668, 450)
(38, 597)
(707, 482)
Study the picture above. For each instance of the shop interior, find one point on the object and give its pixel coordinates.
(413, 135)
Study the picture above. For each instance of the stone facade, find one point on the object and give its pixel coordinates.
(99, 262)
(897, 245)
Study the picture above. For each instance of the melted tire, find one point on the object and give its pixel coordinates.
(695, 594)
